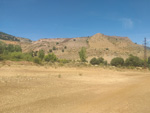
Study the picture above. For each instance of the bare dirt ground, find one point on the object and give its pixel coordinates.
(39, 89)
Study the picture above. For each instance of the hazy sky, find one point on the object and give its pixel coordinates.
(37, 19)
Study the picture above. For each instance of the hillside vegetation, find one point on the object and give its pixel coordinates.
(98, 45)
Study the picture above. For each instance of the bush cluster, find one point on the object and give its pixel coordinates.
(118, 61)
(97, 61)
(131, 61)
(134, 61)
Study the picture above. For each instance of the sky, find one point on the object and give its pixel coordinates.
(35, 19)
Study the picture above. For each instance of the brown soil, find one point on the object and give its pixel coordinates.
(37, 89)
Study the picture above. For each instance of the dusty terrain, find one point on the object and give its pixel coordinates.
(41, 89)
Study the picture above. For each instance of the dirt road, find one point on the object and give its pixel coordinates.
(37, 89)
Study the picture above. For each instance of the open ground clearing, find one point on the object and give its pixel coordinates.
(39, 89)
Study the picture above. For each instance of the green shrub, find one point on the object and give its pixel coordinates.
(54, 48)
(65, 47)
(35, 53)
(134, 61)
(118, 61)
(100, 60)
(57, 43)
(50, 50)
(50, 58)
(107, 48)
(94, 61)
(62, 50)
(37, 60)
(97, 61)
(46, 58)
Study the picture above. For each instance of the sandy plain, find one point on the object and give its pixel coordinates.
(44, 89)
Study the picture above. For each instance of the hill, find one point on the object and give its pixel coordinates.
(98, 45)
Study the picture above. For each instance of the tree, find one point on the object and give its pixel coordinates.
(41, 54)
(82, 54)
(97, 61)
(133, 61)
(50, 50)
(100, 60)
(118, 61)
(54, 48)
